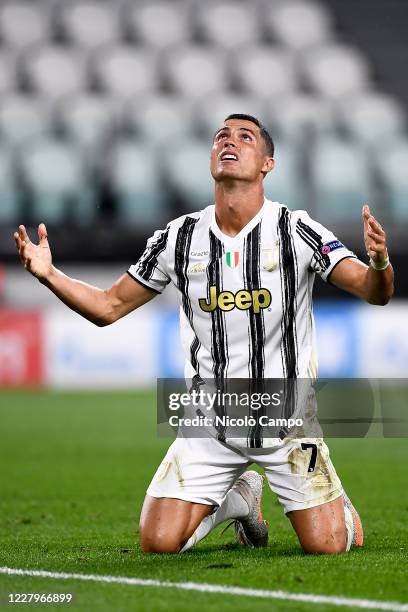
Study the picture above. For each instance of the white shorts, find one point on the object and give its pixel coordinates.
(202, 470)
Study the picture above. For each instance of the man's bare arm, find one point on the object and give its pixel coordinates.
(99, 306)
(373, 286)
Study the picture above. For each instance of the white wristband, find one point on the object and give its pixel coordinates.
(380, 265)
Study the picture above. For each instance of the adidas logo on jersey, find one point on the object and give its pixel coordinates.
(257, 299)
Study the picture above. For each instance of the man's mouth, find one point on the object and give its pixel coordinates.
(229, 157)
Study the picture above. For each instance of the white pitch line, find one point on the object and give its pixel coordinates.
(365, 604)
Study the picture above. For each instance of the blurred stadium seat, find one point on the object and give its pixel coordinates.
(372, 117)
(23, 24)
(125, 71)
(134, 171)
(160, 119)
(54, 172)
(9, 193)
(392, 164)
(22, 118)
(7, 72)
(335, 70)
(166, 73)
(342, 180)
(89, 23)
(299, 116)
(194, 71)
(187, 170)
(243, 27)
(265, 71)
(54, 71)
(211, 110)
(284, 184)
(298, 24)
(159, 24)
(88, 119)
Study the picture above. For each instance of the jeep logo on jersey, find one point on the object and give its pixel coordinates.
(243, 300)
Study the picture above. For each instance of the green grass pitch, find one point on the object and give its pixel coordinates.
(74, 469)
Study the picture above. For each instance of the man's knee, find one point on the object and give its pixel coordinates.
(335, 544)
(321, 529)
(159, 532)
(167, 523)
(159, 542)
(324, 549)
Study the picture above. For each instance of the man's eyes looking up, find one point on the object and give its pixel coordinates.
(224, 135)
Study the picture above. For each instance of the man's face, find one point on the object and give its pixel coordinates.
(239, 152)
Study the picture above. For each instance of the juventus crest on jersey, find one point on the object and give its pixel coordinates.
(246, 301)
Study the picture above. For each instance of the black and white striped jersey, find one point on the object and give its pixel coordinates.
(246, 301)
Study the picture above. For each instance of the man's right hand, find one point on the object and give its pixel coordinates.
(36, 258)
(99, 306)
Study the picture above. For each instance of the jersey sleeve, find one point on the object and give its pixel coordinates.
(324, 250)
(151, 269)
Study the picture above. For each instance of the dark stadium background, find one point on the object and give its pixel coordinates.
(374, 28)
(107, 108)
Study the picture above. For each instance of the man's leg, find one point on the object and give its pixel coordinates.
(195, 477)
(172, 525)
(321, 529)
(301, 473)
(329, 528)
(166, 524)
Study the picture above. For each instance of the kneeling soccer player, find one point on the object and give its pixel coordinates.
(244, 271)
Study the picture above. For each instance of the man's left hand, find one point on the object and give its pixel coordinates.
(374, 237)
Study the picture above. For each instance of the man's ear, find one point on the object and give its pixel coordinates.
(269, 165)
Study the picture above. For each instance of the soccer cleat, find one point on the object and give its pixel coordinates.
(252, 530)
(355, 534)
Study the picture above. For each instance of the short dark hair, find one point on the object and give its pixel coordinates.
(267, 138)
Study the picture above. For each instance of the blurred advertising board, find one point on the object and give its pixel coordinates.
(59, 349)
(21, 348)
(79, 354)
(338, 338)
(384, 341)
(354, 340)
(359, 340)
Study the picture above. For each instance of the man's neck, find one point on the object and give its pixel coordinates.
(236, 205)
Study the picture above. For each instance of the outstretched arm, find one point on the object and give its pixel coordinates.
(99, 306)
(370, 283)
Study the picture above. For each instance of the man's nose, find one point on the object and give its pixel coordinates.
(229, 142)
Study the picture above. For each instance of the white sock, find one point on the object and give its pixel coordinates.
(348, 517)
(233, 506)
(355, 535)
